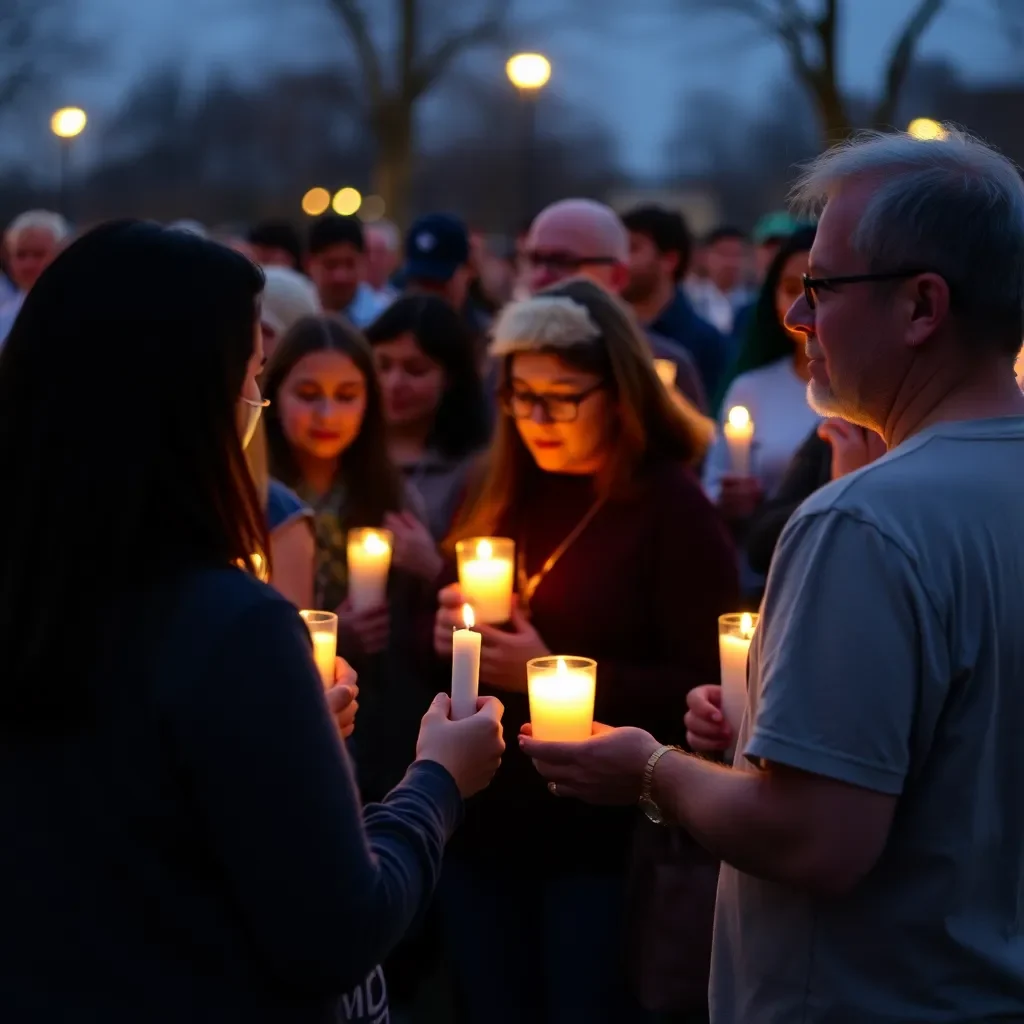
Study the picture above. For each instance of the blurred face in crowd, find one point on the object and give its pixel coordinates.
(412, 384)
(725, 262)
(572, 434)
(573, 243)
(381, 258)
(855, 341)
(649, 269)
(337, 272)
(791, 288)
(29, 253)
(321, 404)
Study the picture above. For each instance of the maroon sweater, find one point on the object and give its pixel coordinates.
(640, 591)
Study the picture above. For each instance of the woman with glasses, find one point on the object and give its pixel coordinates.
(183, 839)
(620, 558)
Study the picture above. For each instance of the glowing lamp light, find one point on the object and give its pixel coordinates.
(315, 202)
(528, 70)
(68, 122)
(346, 202)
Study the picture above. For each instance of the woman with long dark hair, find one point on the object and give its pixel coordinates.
(434, 404)
(182, 836)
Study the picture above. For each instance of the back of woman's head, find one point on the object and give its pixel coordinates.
(365, 463)
(120, 453)
(767, 340)
(462, 423)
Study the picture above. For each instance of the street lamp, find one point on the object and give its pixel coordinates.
(315, 202)
(67, 124)
(346, 202)
(529, 73)
(926, 129)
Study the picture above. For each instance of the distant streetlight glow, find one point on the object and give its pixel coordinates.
(347, 201)
(68, 122)
(926, 129)
(528, 71)
(373, 209)
(315, 202)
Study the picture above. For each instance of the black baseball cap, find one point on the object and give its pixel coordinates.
(435, 247)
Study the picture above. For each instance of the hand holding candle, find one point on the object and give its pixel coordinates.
(734, 635)
(739, 436)
(369, 560)
(486, 572)
(323, 628)
(465, 668)
(561, 698)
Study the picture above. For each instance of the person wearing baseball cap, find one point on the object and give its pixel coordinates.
(437, 258)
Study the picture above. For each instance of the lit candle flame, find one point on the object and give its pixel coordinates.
(561, 669)
(375, 544)
(746, 625)
(739, 417)
(485, 550)
(468, 617)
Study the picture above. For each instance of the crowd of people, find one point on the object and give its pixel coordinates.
(198, 830)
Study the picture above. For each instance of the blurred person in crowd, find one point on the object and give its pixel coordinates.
(327, 441)
(172, 764)
(659, 253)
(383, 257)
(588, 473)
(437, 259)
(288, 296)
(434, 405)
(582, 237)
(870, 826)
(336, 263)
(276, 243)
(770, 381)
(723, 288)
(31, 242)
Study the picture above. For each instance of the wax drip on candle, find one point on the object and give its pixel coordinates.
(485, 550)
(739, 417)
(374, 544)
(746, 625)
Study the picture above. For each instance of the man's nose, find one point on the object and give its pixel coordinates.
(800, 316)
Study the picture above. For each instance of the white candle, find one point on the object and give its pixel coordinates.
(465, 668)
(323, 628)
(666, 371)
(369, 559)
(739, 435)
(734, 635)
(486, 571)
(561, 698)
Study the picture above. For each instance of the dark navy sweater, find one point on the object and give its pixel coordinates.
(195, 850)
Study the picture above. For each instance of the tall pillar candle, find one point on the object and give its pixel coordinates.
(369, 560)
(739, 436)
(561, 698)
(486, 573)
(734, 635)
(465, 667)
(323, 628)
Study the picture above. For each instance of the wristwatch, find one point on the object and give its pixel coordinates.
(649, 807)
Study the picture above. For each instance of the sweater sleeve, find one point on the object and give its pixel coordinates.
(324, 892)
(694, 579)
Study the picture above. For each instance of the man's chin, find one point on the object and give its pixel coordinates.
(822, 399)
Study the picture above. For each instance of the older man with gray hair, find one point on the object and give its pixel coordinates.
(871, 825)
(31, 242)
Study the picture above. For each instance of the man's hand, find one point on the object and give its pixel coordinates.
(341, 698)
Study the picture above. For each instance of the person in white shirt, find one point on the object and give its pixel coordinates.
(31, 242)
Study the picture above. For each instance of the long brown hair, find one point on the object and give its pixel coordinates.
(649, 427)
(376, 486)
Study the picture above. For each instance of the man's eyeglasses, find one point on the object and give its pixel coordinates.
(829, 284)
(520, 404)
(566, 262)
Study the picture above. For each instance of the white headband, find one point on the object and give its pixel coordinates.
(547, 321)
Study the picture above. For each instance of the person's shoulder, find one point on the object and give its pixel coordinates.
(222, 594)
(284, 506)
(671, 485)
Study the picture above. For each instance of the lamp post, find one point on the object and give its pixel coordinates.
(67, 124)
(529, 73)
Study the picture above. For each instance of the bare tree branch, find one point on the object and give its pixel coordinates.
(354, 18)
(901, 58)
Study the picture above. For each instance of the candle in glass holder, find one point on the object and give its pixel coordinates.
(323, 628)
(739, 436)
(486, 571)
(666, 371)
(734, 635)
(369, 559)
(465, 667)
(561, 698)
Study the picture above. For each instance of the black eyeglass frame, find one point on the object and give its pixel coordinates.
(830, 283)
(542, 401)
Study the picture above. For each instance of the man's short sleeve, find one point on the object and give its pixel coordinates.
(846, 637)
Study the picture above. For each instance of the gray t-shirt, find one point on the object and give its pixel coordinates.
(890, 656)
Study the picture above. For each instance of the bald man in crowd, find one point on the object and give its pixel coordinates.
(581, 237)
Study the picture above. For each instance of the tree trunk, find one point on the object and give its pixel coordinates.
(832, 111)
(393, 163)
